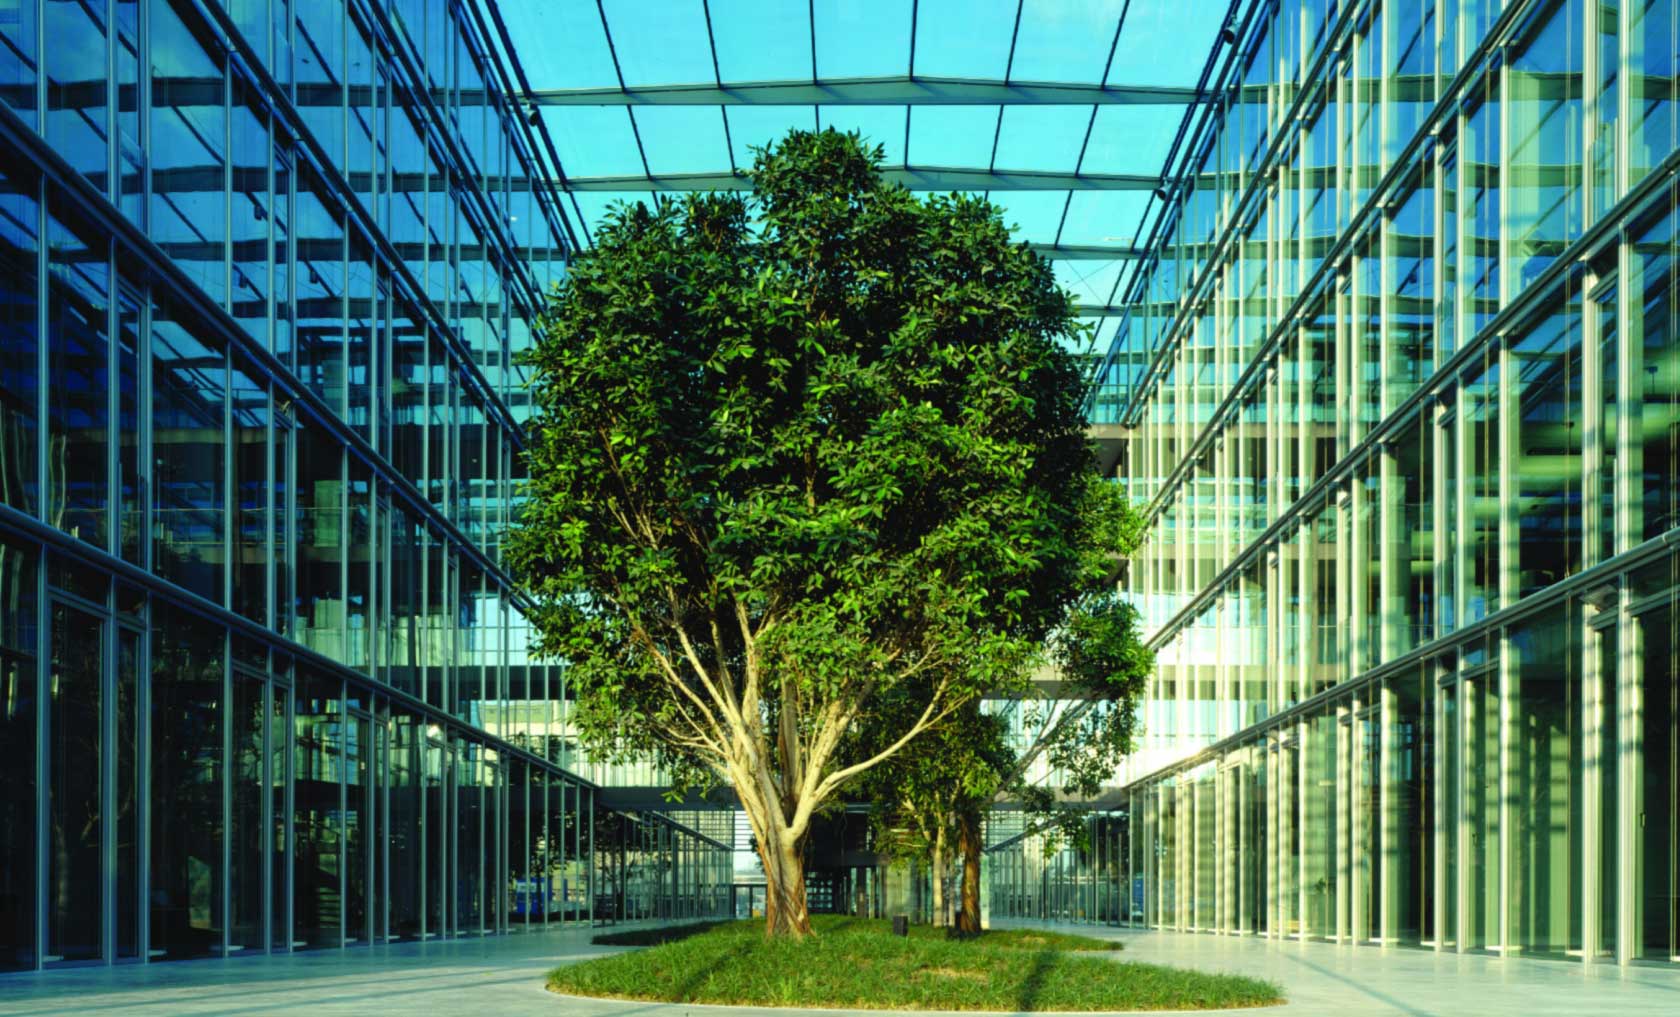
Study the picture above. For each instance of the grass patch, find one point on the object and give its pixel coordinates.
(856, 963)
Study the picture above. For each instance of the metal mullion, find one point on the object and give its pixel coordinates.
(225, 876)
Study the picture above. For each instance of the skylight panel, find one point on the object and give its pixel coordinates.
(683, 139)
(594, 141)
(1166, 44)
(952, 135)
(595, 204)
(1132, 139)
(1042, 138)
(762, 40)
(1032, 215)
(882, 125)
(1104, 218)
(1091, 282)
(1062, 41)
(863, 38)
(560, 45)
(964, 38)
(659, 42)
(760, 126)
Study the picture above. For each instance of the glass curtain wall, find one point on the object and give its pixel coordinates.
(1465, 380)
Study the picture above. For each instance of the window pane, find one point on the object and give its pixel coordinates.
(189, 396)
(78, 381)
(75, 895)
(18, 699)
(19, 342)
(186, 858)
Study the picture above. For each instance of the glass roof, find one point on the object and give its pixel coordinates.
(1066, 113)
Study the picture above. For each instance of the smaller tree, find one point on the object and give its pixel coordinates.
(1081, 728)
(918, 794)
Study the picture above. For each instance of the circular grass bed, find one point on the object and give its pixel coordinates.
(855, 963)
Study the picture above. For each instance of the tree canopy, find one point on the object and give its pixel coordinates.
(797, 454)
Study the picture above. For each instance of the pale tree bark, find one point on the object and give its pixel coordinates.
(937, 871)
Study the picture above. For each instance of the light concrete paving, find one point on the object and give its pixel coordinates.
(503, 977)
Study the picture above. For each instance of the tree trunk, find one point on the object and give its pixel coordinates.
(785, 912)
(969, 843)
(937, 870)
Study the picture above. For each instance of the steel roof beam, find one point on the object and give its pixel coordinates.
(1087, 252)
(893, 91)
(915, 178)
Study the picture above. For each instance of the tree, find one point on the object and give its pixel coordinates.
(1082, 727)
(918, 793)
(794, 453)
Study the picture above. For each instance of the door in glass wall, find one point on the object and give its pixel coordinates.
(1366, 862)
(1408, 809)
(1655, 849)
(1450, 812)
(75, 883)
(318, 820)
(247, 826)
(1607, 725)
(1481, 810)
(359, 836)
(19, 679)
(1320, 836)
(1289, 836)
(1546, 768)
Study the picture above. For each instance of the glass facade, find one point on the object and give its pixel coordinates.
(1411, 576)
(265, 268)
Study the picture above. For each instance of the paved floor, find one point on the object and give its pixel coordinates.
(502, 977)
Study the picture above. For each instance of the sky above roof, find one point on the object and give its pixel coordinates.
(1066, 113)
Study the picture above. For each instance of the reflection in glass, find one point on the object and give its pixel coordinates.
(189, 500)
(75, 886)
(18, 700)
(317, 824)
(186, 890)
(78, 380)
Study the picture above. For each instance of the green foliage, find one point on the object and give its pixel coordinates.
(805, 463)
(857, 964)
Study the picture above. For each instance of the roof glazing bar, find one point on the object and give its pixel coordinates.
(894, 91)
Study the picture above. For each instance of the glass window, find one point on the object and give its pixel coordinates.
(1479, 193)
(1543, 186)
(1547, 467)
(189, 149)
(1409, 824)
(318, 801)
(1653, 76)
(189, 398)
(251, 212)
(1655, 375)
(131, 492)
(18, 60)
(320, 540)
(78, 379)
(76, 84)
(1409, 314)
(319, 334)
(20, 370)
(247, 825)
(186, 894)
(75, 897)
(249, 443)
(18, 732)
(1479, 407)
